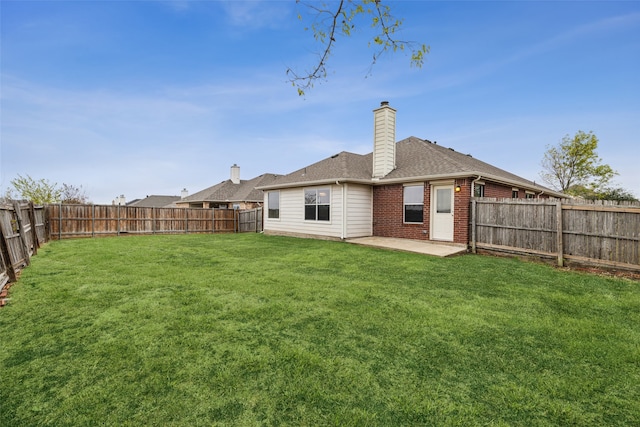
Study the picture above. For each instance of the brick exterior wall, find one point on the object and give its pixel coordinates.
(461, 210)
(388, 210)
(388, 214)
(499, 191)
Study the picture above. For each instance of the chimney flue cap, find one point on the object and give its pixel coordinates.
(383, 103)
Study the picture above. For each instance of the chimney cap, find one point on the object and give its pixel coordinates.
(383, 103)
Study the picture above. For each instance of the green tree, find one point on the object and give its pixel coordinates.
(332, 20)
(609, 193)
(574, 166)
(38, 191)
(42, 191)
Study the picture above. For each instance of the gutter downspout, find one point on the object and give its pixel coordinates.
(473, 185)
(343, 232)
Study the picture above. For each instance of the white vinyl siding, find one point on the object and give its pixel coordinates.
(292, 213)
(360, 215)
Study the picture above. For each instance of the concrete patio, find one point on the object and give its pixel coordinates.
(407, 245)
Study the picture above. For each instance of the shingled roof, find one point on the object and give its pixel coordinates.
(415, 159)
(227, 191)
(154, 201)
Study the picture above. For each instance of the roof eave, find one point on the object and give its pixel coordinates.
(314, 183)
(383, 181)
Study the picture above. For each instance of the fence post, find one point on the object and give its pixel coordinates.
(23, 237)
(559, 235)
(255, 227)
(4, 249)
(474, 203)
(60, 221)
(46, 215)
(186, 221)
(93, 220)
(34, 230)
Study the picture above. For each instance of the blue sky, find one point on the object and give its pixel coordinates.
(149, 97)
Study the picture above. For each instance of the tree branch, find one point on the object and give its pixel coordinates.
(328, 30)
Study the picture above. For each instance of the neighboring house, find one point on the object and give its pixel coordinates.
(412, 189)
(154, 201)
(233, 193)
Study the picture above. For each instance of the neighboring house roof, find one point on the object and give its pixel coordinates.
(154, 201)
(415, 159)
(227, 191)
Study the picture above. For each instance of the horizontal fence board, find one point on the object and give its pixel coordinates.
(603, 233)
(71, 221)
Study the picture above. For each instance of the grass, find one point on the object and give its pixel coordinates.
(250, 330)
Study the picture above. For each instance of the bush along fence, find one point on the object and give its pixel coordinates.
(22, 232)
(75, 221)
(597, 233)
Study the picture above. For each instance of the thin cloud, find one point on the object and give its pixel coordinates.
(561, 40)
(615, 23)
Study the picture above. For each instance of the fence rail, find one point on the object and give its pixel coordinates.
(74, 221)
(602, 233)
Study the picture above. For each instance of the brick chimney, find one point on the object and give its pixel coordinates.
(384, 140)
(235, 174)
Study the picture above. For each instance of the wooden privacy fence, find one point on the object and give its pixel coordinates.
(22, 231)
(602, 233)
(250, 220)
(74, 221)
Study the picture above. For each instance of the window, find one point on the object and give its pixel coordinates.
(413, 203)
(478, 190)
(316, 204)
(515, 193)
(273, 202)
(443, 200)
(530, 195)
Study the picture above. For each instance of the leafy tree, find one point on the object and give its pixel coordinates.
(339, 19)
(38, 191)
(608, 193)
(573, 165)
(42, 191)
(618, 193)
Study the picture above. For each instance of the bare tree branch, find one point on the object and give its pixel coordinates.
(325, 31)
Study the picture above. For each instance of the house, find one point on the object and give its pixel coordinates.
(233, 193)
(413, 189)
(154, 201)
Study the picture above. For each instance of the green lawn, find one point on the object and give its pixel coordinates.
(245, 330)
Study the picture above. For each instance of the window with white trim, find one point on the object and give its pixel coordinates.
(273, 202)
(317, 204)
(413, 203)
(478, 190)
